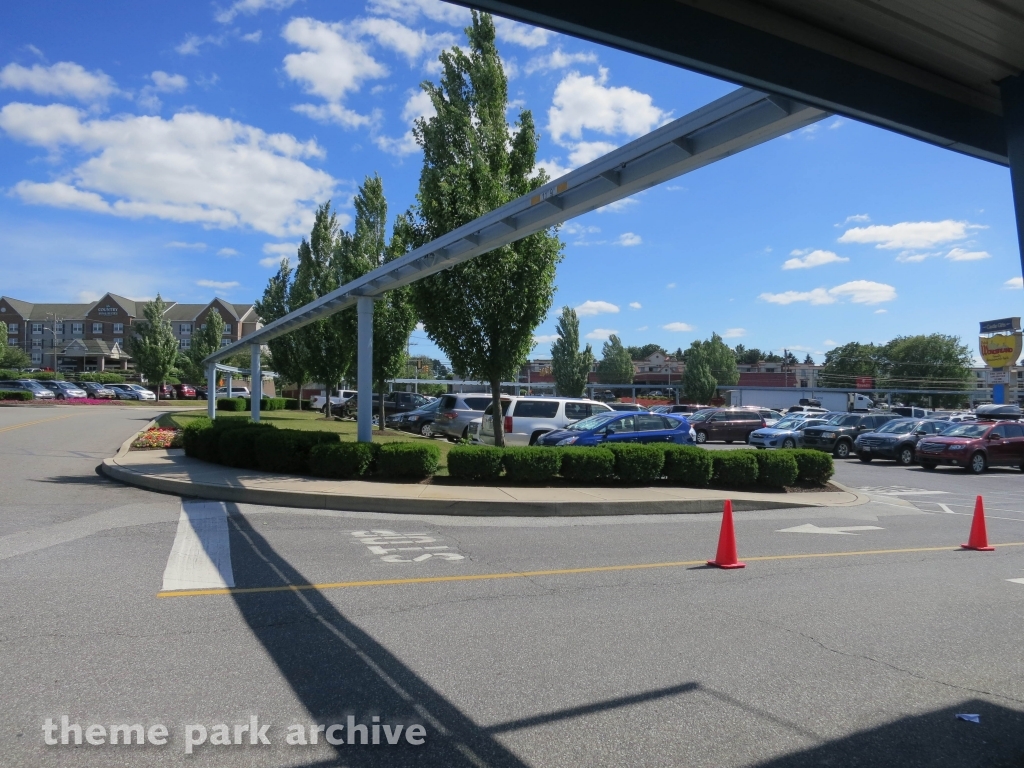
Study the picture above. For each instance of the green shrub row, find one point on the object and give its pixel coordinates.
(232, 404)
(42, 376)
(15, 394)
(292, 404)
(266, 403)
(101, 378)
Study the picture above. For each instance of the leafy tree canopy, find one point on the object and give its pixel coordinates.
(571, 367)
(616, 366)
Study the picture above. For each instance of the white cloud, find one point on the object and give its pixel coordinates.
(642, 328)
(253, 37)
(572, 228)
(635, 305)
(559, 59)
(411, 10)
(227, 252)
(192, 44)
(546, 339)
(857, 291)
(216, 285)
(272, 262)
(619, 205)
(1015, 282)
(913, 257)
(186, 246)
(514, 32)
(961, 254)
(910, 234)
(837, 123)
(583, 101)
(281, 249)
(881, 311)
(628, 239)
(588, 308)
(813, 259)
(416, 106)
(829, 343)
(857, 218)
(734, 333)
(678, 327)
(333, 63)
(65, 78)
(162, 83)
(250, 8)
(414, 44)
(601, 334)
(193, 168)
(553, 168)
(671, 285)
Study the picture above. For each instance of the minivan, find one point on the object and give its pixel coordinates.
(728, 424)
(527, 418)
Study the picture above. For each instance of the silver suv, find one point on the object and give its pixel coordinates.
(527, 418)
(39, 392)
(457, 412)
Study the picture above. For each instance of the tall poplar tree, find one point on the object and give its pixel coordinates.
(616, 366)
(205, 341)
(288, 353)
(153, 346)
(483, 312)
(570, 366)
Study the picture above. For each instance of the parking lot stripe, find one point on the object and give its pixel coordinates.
(201, 554)
(37, 421)
(552, 572)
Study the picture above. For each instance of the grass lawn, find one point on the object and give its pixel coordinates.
(312, 421)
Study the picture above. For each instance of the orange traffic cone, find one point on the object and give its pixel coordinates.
(979, 536)
(727, 557)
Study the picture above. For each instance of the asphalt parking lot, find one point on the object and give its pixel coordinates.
(852, 637)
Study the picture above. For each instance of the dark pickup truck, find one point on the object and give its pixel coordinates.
(394, 402)
(836, 436)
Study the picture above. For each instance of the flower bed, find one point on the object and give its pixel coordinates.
(158, 437)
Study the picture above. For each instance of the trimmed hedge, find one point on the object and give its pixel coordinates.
(195, 437)
(232, 404)
(237, 447)
(287, 450)
(266, 403)
(15, 394)
(734, 467)
(585, 464)
(688, 465)
(638, 463)
(408, 459)
(812, 466)
(101, 378)
(531, 465)
(342, 460)
(776, 469)
(41, 376)
(474, 462)
(292, 404)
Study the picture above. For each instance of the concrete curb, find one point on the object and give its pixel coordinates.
(127, 444)
(460, 507)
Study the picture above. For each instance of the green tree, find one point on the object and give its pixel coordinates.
(843, 365)
(393, 314)
(718, 357)
(327, 350)
(645, 351)
(570, 366)
(287, 353)
(205, 341)
(616, 366)
(153, 346)
(808, 360)
(933, 361)
(746, 356)
(699, 382)
(11, 358)
(483, 312)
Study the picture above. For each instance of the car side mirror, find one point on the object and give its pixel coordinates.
(921, 432)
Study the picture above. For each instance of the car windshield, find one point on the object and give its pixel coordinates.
(812, 423)
(967, 430)
(32, 384)
(789, 423)
(701, 416)
(593, 422)
(843, 420)
(898, 427)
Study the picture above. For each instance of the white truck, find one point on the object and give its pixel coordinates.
(781, 398)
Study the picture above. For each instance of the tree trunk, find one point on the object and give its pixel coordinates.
(497, 415)
(380, 417)
(327, 405)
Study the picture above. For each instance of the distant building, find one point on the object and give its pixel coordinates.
(982, 379)
(91, 337)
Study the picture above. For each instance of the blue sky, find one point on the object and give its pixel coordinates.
(181, 148)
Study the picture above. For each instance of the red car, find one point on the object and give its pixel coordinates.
(184, 391)
(975, 446)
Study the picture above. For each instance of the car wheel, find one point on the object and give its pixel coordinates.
(789, 443)
(376, 420)
(323, 409)
(465, 434)
(702, 436)
(929, 465)
(426, 431)
(906, 456)
(866, 459)
(977, 464)
(728, 442)
(842, 450)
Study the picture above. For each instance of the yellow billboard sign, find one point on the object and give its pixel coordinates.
(1001, 350)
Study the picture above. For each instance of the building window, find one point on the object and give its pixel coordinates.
(979, 374)
(118, 340)
(12, 327)
(97, 327)
(225, 342)
(185, 344)
(227, 328)
(37, 327)
(118, 327)
(37, 357)
(186, 328)
(77, 328)
(37, 343)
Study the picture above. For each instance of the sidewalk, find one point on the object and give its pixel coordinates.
(173, 472)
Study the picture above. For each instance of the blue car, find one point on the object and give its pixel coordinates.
(787, 432)
(616, 427)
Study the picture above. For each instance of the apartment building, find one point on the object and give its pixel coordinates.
(1012, 377)
(91, 337)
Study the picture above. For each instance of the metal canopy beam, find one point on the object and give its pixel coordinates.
(737, 121)
(676, 33)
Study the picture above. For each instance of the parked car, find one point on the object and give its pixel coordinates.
(394, 402)
(419, 421)
(686, 408)
(836, 435)
(39, 392)
(164, 391)
(65, 390)
(338, 398)
(528, 418)
(728, 424)
(975, 446)
(132, 392)
(911, 411)
(235, 392)
(615, 428)
(770, 417)
(456, 414)
(896, 439)
(635, 407)
(785, 433)
(659, 408)
(96, 390)
(202, 393)
(184, 392)
(806, 409)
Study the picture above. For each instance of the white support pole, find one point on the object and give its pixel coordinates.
(227, 382)
(256, 387)
(364, 370)
(211, 391)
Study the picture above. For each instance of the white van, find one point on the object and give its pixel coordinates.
(527, 418)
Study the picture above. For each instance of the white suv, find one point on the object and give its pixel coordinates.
(338, 399)
(527, 418)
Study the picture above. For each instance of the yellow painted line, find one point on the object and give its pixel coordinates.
(38, 421)
(528, 574)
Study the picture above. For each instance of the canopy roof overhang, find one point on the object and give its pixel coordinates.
(930, 69)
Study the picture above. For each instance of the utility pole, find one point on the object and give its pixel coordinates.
(785, 367)
(54, 332)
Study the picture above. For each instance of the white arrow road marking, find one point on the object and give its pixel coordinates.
(1016, 581)
(899, 490)
(847, 530)
(201, 554)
